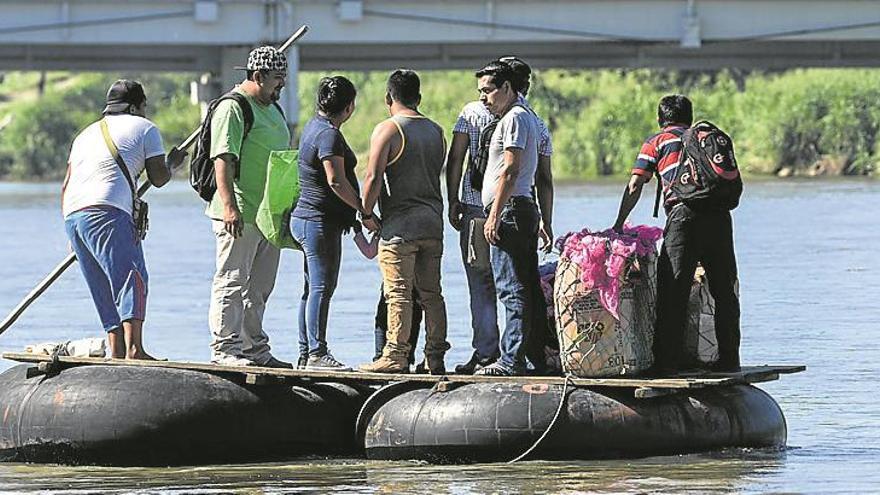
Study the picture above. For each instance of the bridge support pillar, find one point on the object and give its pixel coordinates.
(232, 56)
(290, 96)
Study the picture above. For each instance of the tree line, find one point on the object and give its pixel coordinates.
(798, 122)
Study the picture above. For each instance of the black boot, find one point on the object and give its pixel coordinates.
(475, 363)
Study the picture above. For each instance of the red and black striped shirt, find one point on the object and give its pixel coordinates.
(661, 153)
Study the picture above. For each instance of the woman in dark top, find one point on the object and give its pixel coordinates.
(328, 204)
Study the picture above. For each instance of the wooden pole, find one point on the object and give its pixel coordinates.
(61, 267)
(37, 291)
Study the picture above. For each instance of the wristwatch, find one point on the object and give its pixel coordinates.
(363, 216)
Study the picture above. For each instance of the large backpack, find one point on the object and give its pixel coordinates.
(478, 162)
(707, 177)
(201, 167)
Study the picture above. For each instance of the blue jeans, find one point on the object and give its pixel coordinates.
(112, 262)
(322, 255)
(515, 269)
(484, 315)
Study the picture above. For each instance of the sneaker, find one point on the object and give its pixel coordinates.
(494, 369)
(302, 361)
(475, 363)
(325, 362)
(385, 365)
(276, 363)
(233, 361)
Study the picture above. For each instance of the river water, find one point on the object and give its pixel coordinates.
(809, 281)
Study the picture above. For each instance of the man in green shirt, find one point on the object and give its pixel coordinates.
(246, 262)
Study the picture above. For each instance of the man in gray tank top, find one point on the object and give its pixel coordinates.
(408, 152)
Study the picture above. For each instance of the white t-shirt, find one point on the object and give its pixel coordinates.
(517, 129)
(95, 178)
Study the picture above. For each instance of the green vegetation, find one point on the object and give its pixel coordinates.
(807, 122)
(36, 131)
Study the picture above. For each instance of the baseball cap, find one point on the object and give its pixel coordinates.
(122, 94)
(265, 58)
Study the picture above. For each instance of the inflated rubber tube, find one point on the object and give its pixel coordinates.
(114, 415)
(497, 422)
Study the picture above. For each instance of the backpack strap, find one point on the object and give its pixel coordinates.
(105, 130)
(246, 110)
(280, 110)
(248, 115)
(659, 194)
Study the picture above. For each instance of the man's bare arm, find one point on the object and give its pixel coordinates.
(630, 198)
(157, 171)
(544, 185)
(454, 169)
(380, 151)
(224, 173)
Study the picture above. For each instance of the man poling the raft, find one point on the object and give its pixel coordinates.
(128, 98)
(106, 221)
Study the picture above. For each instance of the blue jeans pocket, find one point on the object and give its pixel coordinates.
(298, 230)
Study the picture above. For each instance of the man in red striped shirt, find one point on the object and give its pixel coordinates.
(660, 155)
(691, 236)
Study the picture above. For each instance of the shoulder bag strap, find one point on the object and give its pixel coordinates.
(119, 161)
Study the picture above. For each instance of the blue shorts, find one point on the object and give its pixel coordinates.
(112, 262)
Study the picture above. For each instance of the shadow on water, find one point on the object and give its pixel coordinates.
(715, 472)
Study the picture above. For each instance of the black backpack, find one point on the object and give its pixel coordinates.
(707, 177)
(201, 167)
(477, 165)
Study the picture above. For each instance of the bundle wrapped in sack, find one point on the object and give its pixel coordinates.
(700, 344)
(604, 294)
(91, 347)
(279, 198)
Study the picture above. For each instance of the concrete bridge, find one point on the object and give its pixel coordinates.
(208, 37)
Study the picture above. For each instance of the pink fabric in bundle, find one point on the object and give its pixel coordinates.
(603, 256)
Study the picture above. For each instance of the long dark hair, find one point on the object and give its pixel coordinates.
(335, 94)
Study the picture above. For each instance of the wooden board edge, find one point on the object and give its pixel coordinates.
(357, 376)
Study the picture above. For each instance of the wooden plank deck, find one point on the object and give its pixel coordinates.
(256, 374)
(749, 374)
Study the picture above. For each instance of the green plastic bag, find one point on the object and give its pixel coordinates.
(279, 199)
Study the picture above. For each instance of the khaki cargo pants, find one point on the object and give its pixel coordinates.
(245, 277)
(404, 265)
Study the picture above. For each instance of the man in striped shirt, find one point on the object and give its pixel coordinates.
(474, 117)
(691, 236)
